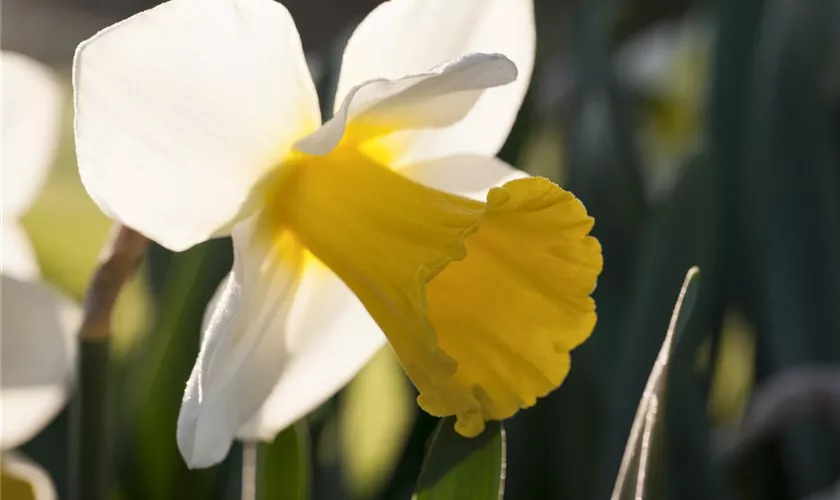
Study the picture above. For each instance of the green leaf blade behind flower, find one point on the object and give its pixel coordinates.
(457, 467)
(643, 466)
(283, 466)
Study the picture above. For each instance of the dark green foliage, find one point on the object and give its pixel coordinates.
(283, 466)
(153, 467)
(90, 476)
(788, 222)
(457, 467)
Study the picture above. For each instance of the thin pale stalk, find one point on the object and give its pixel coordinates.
(250, 463)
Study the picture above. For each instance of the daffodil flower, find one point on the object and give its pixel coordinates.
(38, 324)
(24, 479)
(31, 122)
(198, 118)
(667, 66)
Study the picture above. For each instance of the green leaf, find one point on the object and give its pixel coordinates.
(375, 417)
(602, 169)
(787, 231)
(684, 232)
(151, 400)
(457, 467)
(643, 466)
(283, 466)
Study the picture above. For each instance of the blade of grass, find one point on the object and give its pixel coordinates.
(641, 467)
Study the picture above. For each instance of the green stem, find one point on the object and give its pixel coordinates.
(89, 449)
(89, 465)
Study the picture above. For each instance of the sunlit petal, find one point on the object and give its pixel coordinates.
(31, 117)
(330, 338)
(18, 256)
(404, 37)
(438, 97)
(38, 355)
(181, 110)
(244, 347)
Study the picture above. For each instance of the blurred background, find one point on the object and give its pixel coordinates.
(696, 132)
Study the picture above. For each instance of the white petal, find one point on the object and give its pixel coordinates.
(467, 175)
(404, 37)
(38, 356)
(23, 469)
(327, 327)
(18, 257)
(439, 97)
(651, 61)
(244, 347)
(182, 109)
(331, 337)
(646, 60)
(31, 118)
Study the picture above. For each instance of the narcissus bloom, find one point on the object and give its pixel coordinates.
(38, 324)
(198, 118)
(31, 115)
(666, 65)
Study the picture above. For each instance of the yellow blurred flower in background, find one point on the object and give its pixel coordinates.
(198, 119)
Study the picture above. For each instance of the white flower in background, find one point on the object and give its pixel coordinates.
(31, 122)
(667, 66)
(198, 118)
(37, 347)
(24, 479)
